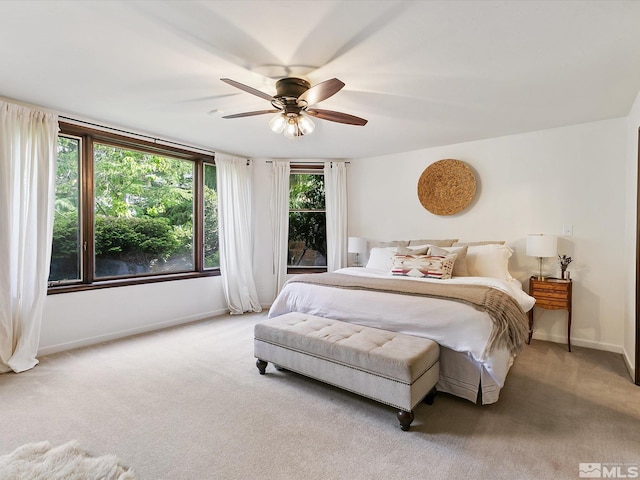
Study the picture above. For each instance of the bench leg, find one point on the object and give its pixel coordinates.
(405, 419)
(262, 366)
(430, 396)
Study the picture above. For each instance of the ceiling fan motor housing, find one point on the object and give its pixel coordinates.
(291, 87)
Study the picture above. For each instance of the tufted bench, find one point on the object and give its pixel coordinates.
(392, 368)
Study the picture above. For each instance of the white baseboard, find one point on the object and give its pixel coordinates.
(607, 347)
(84, 342)
(629, 362)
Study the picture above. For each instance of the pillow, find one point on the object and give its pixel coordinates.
(417, 250)
(381, 258)
(394, 243)
(460, 267)
(490, 260)
(473, 244)
(437, 243)
(424, 266)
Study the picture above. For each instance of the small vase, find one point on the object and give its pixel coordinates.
(565, 275)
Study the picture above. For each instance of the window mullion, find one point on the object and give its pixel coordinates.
(198, 215)
(87, 210)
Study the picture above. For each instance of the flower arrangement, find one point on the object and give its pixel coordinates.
(564, 261)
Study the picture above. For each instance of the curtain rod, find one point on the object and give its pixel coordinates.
(149, 137)
(319, 162)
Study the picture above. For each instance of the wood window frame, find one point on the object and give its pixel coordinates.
(88, 137)
(314, 169)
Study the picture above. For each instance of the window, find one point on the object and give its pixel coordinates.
(65, 252)
(129, 211)
(211, 245)
(307, 220)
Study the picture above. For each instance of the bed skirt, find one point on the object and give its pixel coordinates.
(462, 376)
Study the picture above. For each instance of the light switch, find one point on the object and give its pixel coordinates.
(567, 230)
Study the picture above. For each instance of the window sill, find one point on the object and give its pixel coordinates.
(123, 282)
(297, 270)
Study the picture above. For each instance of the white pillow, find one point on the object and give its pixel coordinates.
(489, 261)
(381, 258)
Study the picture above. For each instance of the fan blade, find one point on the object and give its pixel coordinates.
(321, 91)
(337, 117)
(251, 114)
(247, 89)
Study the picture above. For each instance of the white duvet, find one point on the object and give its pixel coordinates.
(452, 324)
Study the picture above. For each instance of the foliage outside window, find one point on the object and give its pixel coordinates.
(66, 247)
(307, 220)
(211, 240)
(145, 213)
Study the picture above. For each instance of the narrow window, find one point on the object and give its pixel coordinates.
(307, 221)
(66, 247)
(211, 245)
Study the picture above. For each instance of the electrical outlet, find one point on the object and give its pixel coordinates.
(567, 230)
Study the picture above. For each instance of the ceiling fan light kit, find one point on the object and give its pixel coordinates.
(293, 98)
(292, 125)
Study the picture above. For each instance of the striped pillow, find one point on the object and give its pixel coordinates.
(429, 266)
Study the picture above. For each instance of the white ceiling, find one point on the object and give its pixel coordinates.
(424, 73)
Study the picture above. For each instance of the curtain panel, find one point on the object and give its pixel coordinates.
(236, 238)
(280, 171)
(28, 154)
(335, 184)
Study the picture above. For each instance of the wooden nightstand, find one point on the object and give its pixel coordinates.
(551, 294)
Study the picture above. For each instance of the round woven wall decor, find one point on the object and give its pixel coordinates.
(446, 187)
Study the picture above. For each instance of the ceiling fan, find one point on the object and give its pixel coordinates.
(291, 102)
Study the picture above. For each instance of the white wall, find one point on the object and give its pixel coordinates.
(82, 318)
(528, 183)
(633, 123)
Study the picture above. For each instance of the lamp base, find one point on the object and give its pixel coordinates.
(540, 277)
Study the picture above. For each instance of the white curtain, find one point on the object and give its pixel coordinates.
(28, 154)
(335, 185)
(236, 239)
(280, 172)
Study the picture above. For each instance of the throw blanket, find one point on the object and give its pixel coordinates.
(510, 323)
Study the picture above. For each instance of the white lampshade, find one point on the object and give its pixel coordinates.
(357, 245)
(540, 245)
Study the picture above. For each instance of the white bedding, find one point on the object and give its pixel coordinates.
(452, 324)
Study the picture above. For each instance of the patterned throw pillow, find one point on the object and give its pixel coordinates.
(460, 267)
(430, 266)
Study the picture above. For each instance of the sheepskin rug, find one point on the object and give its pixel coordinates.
(41, 461)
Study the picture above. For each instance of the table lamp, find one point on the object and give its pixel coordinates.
(542, 246)
(357, 245)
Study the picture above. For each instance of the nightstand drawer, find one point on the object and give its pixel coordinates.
(550, 286)
(552, 304)
(548, 294)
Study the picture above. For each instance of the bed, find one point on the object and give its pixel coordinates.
(473, 364)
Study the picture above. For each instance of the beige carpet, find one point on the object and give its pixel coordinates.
(188, 403)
